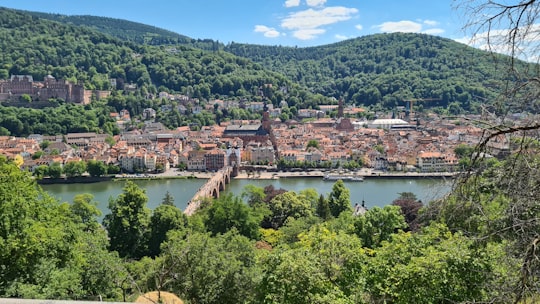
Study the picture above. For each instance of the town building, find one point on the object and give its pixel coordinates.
(215, 159)
(436, 162)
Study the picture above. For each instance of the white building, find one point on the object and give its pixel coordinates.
(386, 123)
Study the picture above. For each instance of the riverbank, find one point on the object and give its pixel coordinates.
(258, 175)
(74, 180)
(364, 173)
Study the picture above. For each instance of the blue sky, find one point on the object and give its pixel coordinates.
(270, 22)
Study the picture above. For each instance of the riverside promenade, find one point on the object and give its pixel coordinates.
(364, 173)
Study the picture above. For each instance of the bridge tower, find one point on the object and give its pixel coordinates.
(234, 159)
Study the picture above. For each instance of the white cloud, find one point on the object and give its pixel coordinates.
(359, 27)
(526, 48)
(315, 2)
(433, 31)
(269, 32)
(309, 23)
(312, 19)
(431, 22)
(292, 3)
(343, 37)
(407, 26)
(308, 34)
(404, 26)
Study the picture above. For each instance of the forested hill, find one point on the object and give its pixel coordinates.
(131, 31)
(123, 29)
(382, 69)
(38, 47)
(385, 68)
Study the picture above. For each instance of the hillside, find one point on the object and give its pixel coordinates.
(382, 69)
(129, 30)
(386, 68)
(38, 47)
(379, 70)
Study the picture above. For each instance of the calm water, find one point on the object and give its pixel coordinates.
(375, 192)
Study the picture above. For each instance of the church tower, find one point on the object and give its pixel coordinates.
(266, 118)
(340, 108)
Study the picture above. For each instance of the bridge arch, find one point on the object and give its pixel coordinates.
(211, 188)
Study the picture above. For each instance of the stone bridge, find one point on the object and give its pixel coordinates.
(210, 189)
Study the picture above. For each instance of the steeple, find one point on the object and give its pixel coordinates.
(266, 118)
(340, 108)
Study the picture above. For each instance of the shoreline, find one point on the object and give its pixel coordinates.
(259, 175)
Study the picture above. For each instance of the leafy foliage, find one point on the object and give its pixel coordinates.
(378, 225)
(127, 224)
(339, 199)
(230, 212)
(164, 218)
(212, 269)
(50, 250)
(386, 69)
(435, 266)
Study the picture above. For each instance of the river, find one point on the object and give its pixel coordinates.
(375, 192)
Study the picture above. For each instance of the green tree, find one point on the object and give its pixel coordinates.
(55, 170)
(429, 267)
(219, 269)
(323, 267)
(103, 272)
(96, 168)
(127, 224)
(294, 228)
(310, 196)
(74, 168)
(230, 212)
(168, 199)
(323, 208)
(113, 169)
(37, 240)
(378, 225)
(37, 155)
(312, 143)
(339, 199)
(286, 205)
(253, 194)
(41, 171)
(164, 219)
(26, 98)
(463, 151)
(85, 211)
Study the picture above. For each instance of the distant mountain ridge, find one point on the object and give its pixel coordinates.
(381, 69)
(35, 46)
(129, 30)
(386, 68)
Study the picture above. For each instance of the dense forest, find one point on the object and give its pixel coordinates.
(383, 69)
(272, 245)
(39, 47)
(386, 69)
